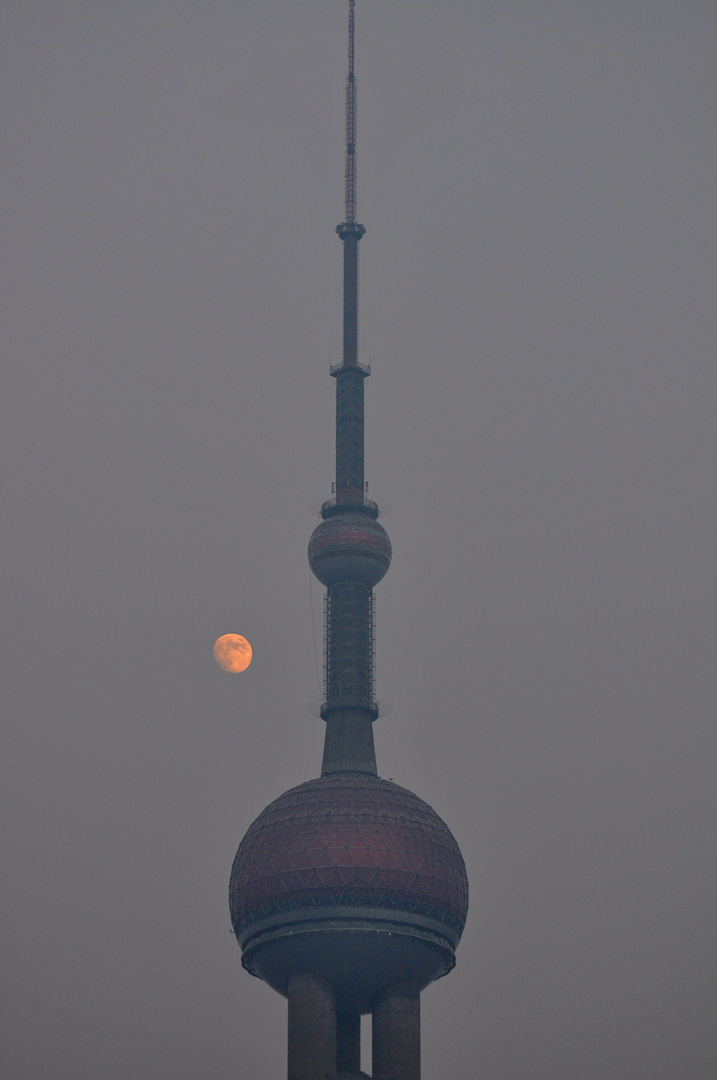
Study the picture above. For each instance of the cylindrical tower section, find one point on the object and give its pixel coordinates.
(349, 624)
(348, 1042)
(350, 233)
(397, 1035)
(350, 237)
(349, 709)
(349, 434)
(312, 1028)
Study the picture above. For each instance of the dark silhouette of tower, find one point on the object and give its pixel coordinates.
(348, 894)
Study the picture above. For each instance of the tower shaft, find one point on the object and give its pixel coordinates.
(350, 233)
(351, 123)
(350, 434)
(349, 708)
(350, 374)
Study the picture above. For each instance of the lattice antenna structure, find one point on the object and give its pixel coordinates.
(351, 125)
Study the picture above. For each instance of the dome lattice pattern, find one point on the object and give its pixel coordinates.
(349, 839)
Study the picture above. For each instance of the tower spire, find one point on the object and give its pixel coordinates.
(351, 124)
(349, 385)
(349, 551)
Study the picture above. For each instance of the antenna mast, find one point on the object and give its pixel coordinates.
(351, 232)
(351, 125)
(349, 551)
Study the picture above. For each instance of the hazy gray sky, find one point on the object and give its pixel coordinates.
(538, 306)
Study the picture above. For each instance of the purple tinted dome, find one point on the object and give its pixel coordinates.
(349, 840)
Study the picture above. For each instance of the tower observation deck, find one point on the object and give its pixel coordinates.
(348, 894)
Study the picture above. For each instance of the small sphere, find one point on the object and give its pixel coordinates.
(232, 653)
(350, 546)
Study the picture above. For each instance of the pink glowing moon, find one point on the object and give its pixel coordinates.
(233, 653)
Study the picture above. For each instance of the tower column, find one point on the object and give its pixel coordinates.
(312, 1029)
(397, 1036)
(349, 659)
(348, 744)
(349, 434)
(348, 1042)
(351, 237)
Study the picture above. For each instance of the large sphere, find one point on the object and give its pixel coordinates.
(352, 878)
(350, 546)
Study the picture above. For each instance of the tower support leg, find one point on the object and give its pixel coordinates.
(348, 1042)
(397, 1036)
(312, 1029)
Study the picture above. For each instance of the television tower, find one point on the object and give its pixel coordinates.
(348, 894)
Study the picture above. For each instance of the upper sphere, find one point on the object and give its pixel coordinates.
(349, 840)
(349, 546)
